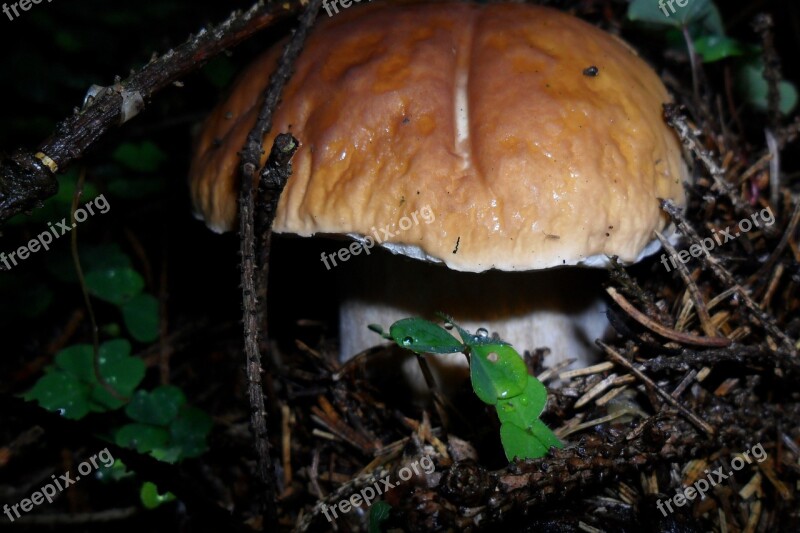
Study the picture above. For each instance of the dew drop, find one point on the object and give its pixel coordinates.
(493, 357)
(408, 340)
(62, 411)
(482, 333)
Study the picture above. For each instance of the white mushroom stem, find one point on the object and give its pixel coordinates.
(561, 309)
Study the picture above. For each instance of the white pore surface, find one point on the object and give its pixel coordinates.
(561, 309)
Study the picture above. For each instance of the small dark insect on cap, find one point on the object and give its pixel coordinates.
(591, 71)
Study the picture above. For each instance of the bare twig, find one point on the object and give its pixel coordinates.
(697, 298)
(273, 179)
(725, 277)
(27, 178)
(654, 326)
(676, 120)
(617, 358)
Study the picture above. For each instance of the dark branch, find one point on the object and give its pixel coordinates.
(273, 179)
(28, 178)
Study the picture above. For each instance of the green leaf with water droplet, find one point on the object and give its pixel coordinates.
(419, 335)
(545, 435)
(142, 437)
(497, 371)
(518, 442)
(715, 47)
(701, 12)
(159, 406)
(190, 430)
(752, 85)
(114, 285)
(121, 371)
(115, 472)
(61, 391)
(378, 514)
(141, 317)
(524, 409)
(150, 496)
(78, 360)
(377, 328)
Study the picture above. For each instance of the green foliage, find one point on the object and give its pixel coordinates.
(420, 336)
(164, 425)
(497, 372)
(141, 317)
(701, 13)
(141, 157)
(702, 20)
(752, 85)
(499, 377)
(150, 496)
(378, 514)
(135, 174)
(115, 472)
(114, 285)
(160, 421)
(712, 48)
(71, 386)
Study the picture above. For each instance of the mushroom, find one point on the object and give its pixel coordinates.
(533, 139)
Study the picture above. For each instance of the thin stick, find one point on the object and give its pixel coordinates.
(697, 298)
(27, 178)
(274, 178)
(677, 336)
(725, 277)
(693, 418)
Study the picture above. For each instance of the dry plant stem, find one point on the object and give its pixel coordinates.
(617, 358)
(251, 157)
(697, 298)
(343, 492)
(749, 356)
(677, 336)
(270, 186)
(76, 260)
(787, 236)
(26, 180)
(725, 277)
(693, 61)
(676, 120)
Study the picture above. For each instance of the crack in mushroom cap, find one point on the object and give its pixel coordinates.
(488, 115)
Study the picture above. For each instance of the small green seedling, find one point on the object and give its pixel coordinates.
(499, 377)
(700, 25)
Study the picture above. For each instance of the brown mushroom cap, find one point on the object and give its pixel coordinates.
(481, 113)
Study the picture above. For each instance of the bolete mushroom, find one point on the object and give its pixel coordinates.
(534, 139)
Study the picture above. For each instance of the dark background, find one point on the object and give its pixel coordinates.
(50, 56)
(52, 53)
